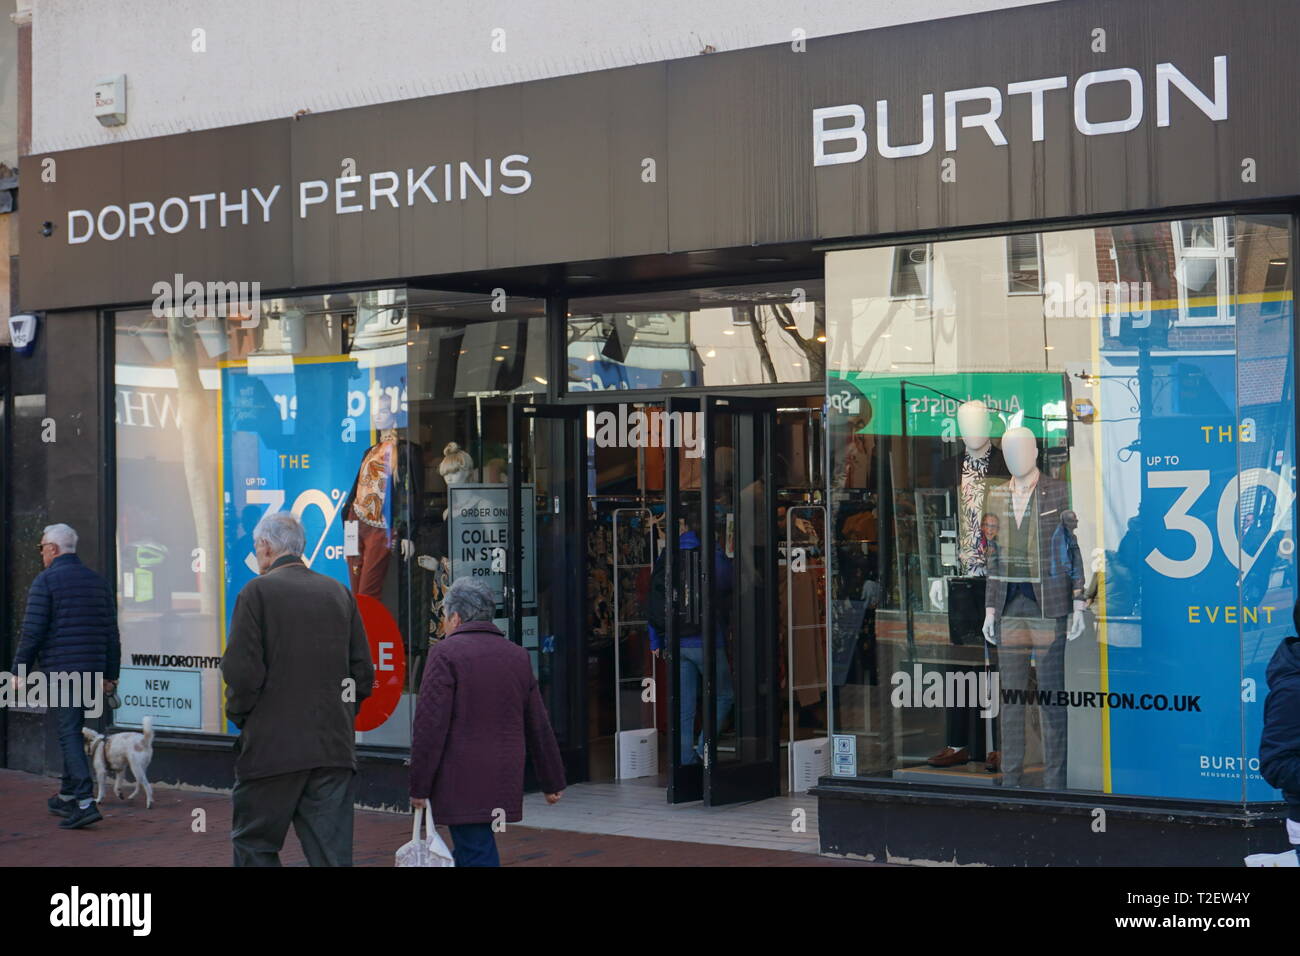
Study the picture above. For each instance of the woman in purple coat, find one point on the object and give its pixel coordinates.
(479, 711)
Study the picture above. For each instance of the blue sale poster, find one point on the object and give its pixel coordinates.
(293, 434)
(1201, 574)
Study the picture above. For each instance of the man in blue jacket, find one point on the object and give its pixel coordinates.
(70, 628)
(1279, 746)
(692, 645)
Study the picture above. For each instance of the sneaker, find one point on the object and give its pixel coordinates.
(949, 757)
(82, 817)
(60, 807)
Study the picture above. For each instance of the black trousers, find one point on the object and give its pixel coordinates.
(317, 802)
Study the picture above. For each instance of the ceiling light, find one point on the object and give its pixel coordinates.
(711, 353)
(505, 346)
(539, 380)
(581, 275)
(728, 331)
(1048, 348)
(821, 338)
(499, 358)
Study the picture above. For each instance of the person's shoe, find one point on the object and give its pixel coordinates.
(994, 763)
(949, 757)
(60, 807)
(82, 817)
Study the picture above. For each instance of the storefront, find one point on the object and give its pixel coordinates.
(962, 352)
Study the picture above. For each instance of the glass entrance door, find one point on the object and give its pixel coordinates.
(738, 655)
(684, 577)
(545, 600)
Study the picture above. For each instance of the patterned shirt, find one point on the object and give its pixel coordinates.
(971, 553)
(372, 485)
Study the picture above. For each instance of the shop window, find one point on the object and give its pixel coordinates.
(910, 278)
(1061, 533)
(735, 335)
(1024, 265)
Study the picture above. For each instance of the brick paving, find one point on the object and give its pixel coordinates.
(131, 836)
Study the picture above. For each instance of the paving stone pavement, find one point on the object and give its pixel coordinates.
(131, 836)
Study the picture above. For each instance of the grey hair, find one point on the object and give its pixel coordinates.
(470, 599)
(281, 532)
(61, 535)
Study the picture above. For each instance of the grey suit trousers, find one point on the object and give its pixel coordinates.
(1014, 652)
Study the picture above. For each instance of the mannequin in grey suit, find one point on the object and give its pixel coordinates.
(1036, 573)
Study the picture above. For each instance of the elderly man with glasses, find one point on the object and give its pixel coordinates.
(70, 633)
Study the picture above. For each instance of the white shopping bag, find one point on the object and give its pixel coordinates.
(430, 851)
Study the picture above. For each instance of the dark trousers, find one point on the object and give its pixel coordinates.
(76, 768)
(966, 728)
(475, 845)
(317, 802)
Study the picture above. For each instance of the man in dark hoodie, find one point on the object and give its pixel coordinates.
(1279, 745)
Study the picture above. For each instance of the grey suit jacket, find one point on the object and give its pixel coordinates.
(1060, 564)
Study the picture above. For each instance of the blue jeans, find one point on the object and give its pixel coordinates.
(76, 768)
(474, 844)
(692, 677)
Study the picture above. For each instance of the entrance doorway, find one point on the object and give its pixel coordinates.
(725, 700)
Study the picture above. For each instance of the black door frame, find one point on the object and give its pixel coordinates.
(571, 600)
(762, 779)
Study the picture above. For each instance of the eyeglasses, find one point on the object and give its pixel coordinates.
(44, 545)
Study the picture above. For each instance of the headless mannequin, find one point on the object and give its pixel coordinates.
(973, 425)
(1020, 451)
(368, 568)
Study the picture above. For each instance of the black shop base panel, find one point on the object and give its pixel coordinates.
(932, 825)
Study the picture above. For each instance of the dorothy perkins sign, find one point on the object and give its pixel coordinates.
(980, 107)
(445, 183)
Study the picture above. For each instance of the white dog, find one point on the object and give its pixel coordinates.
(118, 752)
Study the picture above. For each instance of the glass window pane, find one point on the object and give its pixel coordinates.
(911, 275)
(736, 335)
(1062, 525)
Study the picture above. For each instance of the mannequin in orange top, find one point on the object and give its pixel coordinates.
(385, 502)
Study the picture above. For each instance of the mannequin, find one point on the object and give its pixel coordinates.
(979, 461)
(456, 466)
(1035, 573)
(968, 475)
(377, 503)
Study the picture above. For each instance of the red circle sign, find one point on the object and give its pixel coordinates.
(388, 654)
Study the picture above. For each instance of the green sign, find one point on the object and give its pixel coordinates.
(926, 405)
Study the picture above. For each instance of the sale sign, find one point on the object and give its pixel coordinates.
(1199, 536)
(293, 435)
